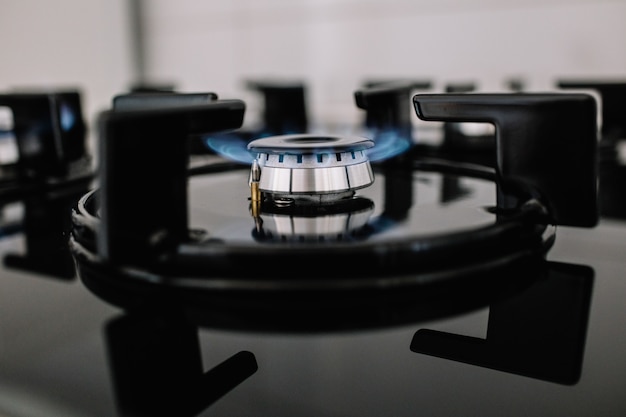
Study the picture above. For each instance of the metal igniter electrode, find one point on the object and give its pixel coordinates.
(255, 177)
(255, 192)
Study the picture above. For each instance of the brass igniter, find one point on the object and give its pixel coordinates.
(255, 192)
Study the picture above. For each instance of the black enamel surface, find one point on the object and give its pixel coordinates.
(540, 336)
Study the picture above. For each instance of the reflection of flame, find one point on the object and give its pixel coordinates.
(388, 143)
(68, 118)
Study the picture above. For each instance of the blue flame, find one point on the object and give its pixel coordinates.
(67, 116)
(388, 143)
(230, 146)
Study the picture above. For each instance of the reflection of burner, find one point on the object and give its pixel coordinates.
(310, 168)
(344, 220)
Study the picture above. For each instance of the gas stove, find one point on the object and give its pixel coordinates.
(202, 268)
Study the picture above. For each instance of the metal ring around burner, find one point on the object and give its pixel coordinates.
(409, 261)
(309, 143)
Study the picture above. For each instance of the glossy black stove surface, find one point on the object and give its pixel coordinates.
(430, 209)
(550, 343)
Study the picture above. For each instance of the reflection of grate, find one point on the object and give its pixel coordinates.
(621, 151)
(8, 148)
(312, 168)
(6, 119)
(8, 145)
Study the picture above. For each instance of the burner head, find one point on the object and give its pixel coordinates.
(310, 168)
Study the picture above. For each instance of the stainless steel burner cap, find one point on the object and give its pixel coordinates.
(311, 167)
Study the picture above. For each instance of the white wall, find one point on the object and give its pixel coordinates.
(61, 43)
(334, 44)
(331, 44)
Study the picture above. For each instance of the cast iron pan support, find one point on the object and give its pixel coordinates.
(146, 100)
(613, 100)
(388, 109)
(612, 170)
(284, 108)
(545, 143)
(50, 132)
(388, 105)
(143, 174)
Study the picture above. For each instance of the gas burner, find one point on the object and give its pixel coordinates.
(142, 228)
(310, 169)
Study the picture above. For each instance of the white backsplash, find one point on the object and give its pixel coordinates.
(334, 45)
